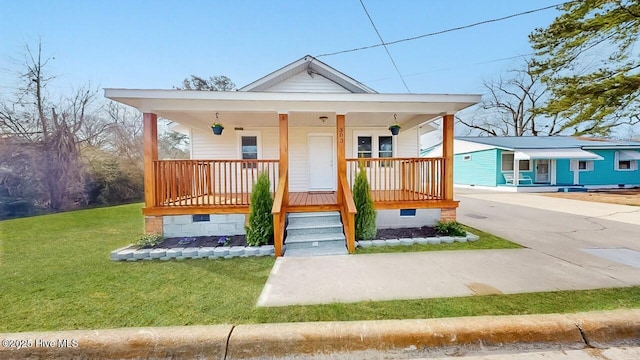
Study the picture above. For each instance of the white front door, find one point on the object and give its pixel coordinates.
(322, 176)
(542, 171)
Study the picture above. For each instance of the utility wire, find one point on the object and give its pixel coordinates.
(445, 31)
(385, 46)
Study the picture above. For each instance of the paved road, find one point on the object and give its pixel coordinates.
(623, 353)
(603, 239)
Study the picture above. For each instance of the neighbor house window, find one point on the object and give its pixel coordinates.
(624, 165)
(584, 165)
(507, 163)
(624, 162)
(249, 149)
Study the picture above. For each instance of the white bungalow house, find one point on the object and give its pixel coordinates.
(307, 125)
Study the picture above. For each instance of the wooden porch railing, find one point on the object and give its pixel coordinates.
(401, 179)
(188, 183)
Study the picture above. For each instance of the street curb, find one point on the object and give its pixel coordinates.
(175, 342)
(610, 328)
(339, 340)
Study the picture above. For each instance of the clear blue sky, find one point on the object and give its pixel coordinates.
(155, 44)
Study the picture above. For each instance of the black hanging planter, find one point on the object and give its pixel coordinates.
(217, 129)
(395, 129)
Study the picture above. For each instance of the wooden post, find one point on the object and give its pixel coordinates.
(341, 135)
(284, 153)
(447, 154)
(150, 147)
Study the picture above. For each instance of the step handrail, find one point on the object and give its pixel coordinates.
(278, 216)
(348, 211)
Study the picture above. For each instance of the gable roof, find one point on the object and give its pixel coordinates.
(549, 142)
(313, 67)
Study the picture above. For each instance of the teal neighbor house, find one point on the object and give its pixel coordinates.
(529, 164)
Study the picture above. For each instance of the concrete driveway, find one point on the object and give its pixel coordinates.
(604, 238)
(569, 246)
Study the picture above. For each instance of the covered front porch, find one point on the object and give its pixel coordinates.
(549, 167)
(223, 185)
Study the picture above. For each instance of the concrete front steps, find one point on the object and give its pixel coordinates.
(315, 234)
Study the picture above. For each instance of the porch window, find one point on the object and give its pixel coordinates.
(364, 147)
(385, 149)
(507, 163)
(249, 149)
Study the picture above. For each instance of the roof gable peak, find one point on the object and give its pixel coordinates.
(312, 67)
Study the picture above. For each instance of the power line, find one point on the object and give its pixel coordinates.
(445, 31)
(385, 46)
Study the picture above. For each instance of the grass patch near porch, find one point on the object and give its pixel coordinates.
(55, 274)
(486, 241)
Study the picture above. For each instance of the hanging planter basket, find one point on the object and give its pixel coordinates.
(217, 129)
(395, 129)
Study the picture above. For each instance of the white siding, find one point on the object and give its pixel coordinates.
(302, 82)
(205, 145)
(407, 143)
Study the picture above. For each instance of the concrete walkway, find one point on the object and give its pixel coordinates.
(557, 257)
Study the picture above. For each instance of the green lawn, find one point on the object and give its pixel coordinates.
(55, 274)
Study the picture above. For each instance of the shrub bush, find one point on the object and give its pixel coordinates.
(260, 229)
(450, 228)
(366, 216)
(148, 240)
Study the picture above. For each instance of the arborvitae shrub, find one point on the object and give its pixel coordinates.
(366, 216)
(260, 229)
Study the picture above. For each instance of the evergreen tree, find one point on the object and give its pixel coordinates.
(589, 61)
(260, 229)
(365, 218)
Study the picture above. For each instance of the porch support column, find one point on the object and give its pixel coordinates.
(283, 166)
(344, 196)
(447, 154)
(341, 157)
(150, 147)
(516, 171)
(279, 209)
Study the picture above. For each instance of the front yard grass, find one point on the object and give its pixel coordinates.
(55, 274)
(486, 241)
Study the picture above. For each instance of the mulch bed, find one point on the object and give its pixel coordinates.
(421, 232)
(241, 240)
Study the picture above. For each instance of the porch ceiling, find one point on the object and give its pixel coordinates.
(246, 109)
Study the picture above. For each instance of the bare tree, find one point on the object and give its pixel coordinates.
(55, 131)
(509, 107)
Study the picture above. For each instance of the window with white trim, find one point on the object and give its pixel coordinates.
(624, 164)
(249, 148)
(364, 147)
(507, 163)
(585, 165)
(375, 146)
